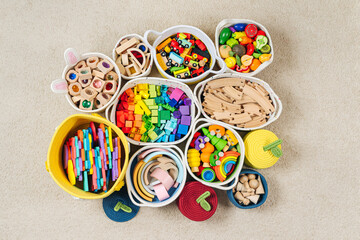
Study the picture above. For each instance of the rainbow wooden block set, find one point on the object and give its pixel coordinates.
(89, 155)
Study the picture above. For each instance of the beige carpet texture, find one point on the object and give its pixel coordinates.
(313, 189)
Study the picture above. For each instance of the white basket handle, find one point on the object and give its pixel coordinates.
(178, 150)
(59, 86)
(223, 68)
(279, 108)
(146, 34)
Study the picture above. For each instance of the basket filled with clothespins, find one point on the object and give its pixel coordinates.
(244, 103)
(88, 156)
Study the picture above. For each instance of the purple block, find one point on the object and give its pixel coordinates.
(185, 120)
(187, 101)
(177, 114)
(178, 122)
(185, 110)
(232, 29)
(176, 94)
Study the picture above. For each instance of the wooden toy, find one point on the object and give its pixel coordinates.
(126, 45)
(98, 74)
(111, 76)
(74, 89)
(133, 57)
(92, 62)
(88, 93)
(155, 110)
(86, 104)
(86, 161)
(86, 80)
(97, 84)
(105, 66)
(110, 87)
(80, 65)
(102, 99)
(244, 44)
(249, 189)
(186, 51)
(193, 157)
(214, 153)
(72, 76)
(237, 101)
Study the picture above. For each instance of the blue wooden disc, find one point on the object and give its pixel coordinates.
(110, 202)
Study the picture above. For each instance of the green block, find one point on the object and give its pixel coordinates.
(153, 107)
(149, 102)
(152, 135)
(164, 115)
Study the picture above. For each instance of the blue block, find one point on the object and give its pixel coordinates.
(182, 129)
(177, 136)
(172, 102)
(172, 138)
(180, 102)
(165, 138)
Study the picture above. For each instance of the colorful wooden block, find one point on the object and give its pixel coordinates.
(98, 74)
(72, 76)
(88, 93)
(186, 120)
(80, 65)
(74, 89)
(86, 104)
(92, 62)
(126, 45)
(110, 87)
(112, 76)
(154, 113)
(105, 66)
(85, 73)
(176, 94)
(182, 129)
(185, 110)
(97, 84)
(128, 124)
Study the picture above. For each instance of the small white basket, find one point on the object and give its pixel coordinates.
(195, 108)
(115, 55)
(196, 32)
(71, 59)
(229, 22)
(135, 198)
(235, 175)
(199, 89)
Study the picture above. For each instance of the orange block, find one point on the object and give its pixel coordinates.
(131, 107)
(138, 117)
(128, 124)
(137, 137)
(138, 123)
(130, 93)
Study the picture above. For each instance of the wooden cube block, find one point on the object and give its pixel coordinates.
(85, 73)
(110, 87)
(74, 89)
(126, 45)
(80, 65)
(92, 62)
(132, 70)
(88, 93)
(98, 74)
(84, 82)
(86, 104)
(128, 124)
(112, 76)
(76, 99)
(105, 66)
(72, 76)
(137, 124)
(97, 84)
(102, 99)
(138, 117)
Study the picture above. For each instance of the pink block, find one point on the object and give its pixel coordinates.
(176, 94)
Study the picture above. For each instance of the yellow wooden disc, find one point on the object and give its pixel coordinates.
(255, 156)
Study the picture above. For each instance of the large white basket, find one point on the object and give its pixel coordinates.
(229, 22)
(194, 31)
(199, 89)
(135, 198)
(195, 108)
(71, 59)
(235, 175)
